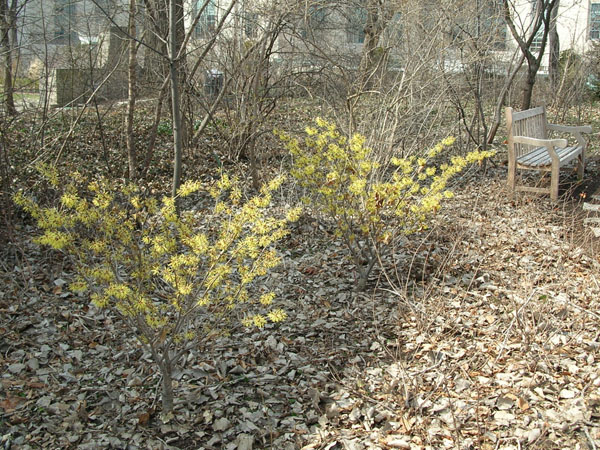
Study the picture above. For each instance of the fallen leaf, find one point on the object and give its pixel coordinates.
(566, 393)
(144, 418)
(522, 404)
(221, 424)
(9, 404)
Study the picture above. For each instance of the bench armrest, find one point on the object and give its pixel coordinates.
(574, 130)
(570, 128)
(548, 143)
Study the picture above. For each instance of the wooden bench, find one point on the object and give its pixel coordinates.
(529, 148)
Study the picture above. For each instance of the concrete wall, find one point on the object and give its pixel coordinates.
(573, 25)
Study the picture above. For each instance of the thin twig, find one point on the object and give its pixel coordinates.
(587, 433)
(512, 322)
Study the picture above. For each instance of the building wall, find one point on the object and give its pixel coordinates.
(330, 33)
(573, 25)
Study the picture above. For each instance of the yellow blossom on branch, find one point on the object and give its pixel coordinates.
(170, 274)
(370, 206)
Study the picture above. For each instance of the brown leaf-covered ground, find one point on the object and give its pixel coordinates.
(482, 333)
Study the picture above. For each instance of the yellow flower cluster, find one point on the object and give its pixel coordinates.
(157, 265)
(344, 182)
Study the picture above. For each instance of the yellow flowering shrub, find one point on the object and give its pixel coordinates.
(173, 276)
(369, 205)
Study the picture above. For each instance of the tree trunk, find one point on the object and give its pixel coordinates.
(378, 16)
(162, 356)
(180, 62)
(154, 129)
(528, 86)
(156, 66)
(132, 81)
(501, 98)
(370, 55)
(14, 44)
(175, 97)
(6, 24)
(554, 45)
(167, 388)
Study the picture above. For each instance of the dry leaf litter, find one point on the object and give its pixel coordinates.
(482, 333)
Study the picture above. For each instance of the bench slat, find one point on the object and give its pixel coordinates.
(535, 157)
(591, 207)
(537, 190)
(539, 157)
(521, 115)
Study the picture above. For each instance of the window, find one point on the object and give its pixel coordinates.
(64, 20)
(484, 23)
(207, 23)
(314, 21)
(536, 44)
(595, 21)
(103, 15)
(355, 28)
(318, 17)
(250, 25)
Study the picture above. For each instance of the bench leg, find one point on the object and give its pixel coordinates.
(554, 182)
(512, 173)
(581, 166)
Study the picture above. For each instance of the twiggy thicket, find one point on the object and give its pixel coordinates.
(396, 78)
(175, 277)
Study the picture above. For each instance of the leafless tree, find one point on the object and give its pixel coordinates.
(539, 30)
(132, 90)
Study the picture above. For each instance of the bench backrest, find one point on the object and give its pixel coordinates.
(530, 123)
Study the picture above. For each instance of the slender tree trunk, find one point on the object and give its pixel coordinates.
(180, 65)
(554, 45)
(14, 45)
(167, 383)
(5, 30)
(175, 97)
(155, 65)
(370, 55)
(378, 17)
(132, 81)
